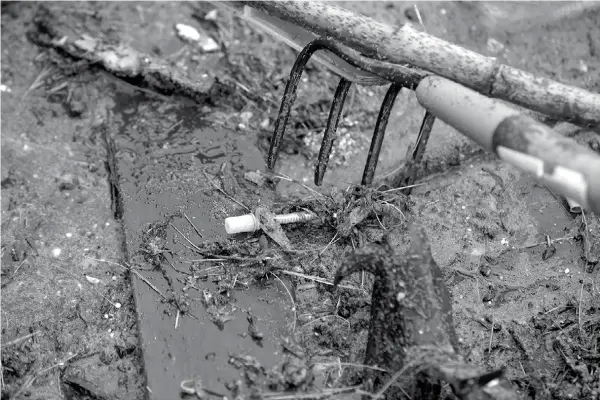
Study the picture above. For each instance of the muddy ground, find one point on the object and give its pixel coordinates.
(97, 171)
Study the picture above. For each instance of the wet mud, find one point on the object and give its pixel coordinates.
(153, 177)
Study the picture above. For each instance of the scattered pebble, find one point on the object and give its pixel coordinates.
(494, 46)
(69, 234)
(567, 270)
(583, 68)
(117, 305)
(246, 116)
(114, 278)
(4, 88)
(56, 252)
(504, 241)
(107, 224)
(463, 207)
(443, 11)
(67, 181)
(105, 316)
(211, 15)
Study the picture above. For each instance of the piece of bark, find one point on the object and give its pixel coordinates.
(126, 62)
(411, 325)
(407, 45)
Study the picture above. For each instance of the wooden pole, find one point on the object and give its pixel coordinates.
(471, 69)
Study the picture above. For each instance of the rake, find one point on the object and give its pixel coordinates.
(453, 84)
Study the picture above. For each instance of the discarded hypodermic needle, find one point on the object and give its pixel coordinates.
(250, 223)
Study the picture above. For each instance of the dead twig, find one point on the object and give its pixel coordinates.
(18, 340)
(29, 381)
(291, 298)
(317, 279)
(187, 240)
(193, 226)
(224, 193)
(136, 273)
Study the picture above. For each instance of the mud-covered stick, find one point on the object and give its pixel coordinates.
(249, 222)
(406, 45)
(557, 161)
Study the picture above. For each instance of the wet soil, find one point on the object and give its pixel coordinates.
(101, 178)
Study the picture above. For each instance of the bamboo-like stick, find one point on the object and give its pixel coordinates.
(407, 45)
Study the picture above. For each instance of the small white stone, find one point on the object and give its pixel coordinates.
(567, 270)
(109, 330)
(443, 11)
(69, 234)
(4, 88)
(56, 252)
(114, 278)
(117, 305)
(504, 241)
(112, 334)
(105, 316)
(107, 224)
(468, 229)
(463, 207)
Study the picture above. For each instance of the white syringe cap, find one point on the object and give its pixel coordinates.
(243, 223)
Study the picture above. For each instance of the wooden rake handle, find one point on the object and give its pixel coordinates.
(407, 45)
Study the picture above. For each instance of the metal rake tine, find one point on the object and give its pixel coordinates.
(329, 136)
(289, 96)
(409, 175)
(379, 133)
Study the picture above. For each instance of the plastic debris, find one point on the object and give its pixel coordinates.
(193, 35)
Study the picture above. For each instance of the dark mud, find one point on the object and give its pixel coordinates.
(520, 268)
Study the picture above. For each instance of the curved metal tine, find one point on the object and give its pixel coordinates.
(379, 133)
(408, 178)
(329, 136)
(289, 96)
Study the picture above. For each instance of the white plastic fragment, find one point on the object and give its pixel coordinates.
(92, 280)
(243, 223)
(56, 252)
(187, 32)
(193, 35)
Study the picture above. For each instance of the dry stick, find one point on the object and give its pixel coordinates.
(37, 373)
(420, 49)
(291, 298)
(20, 339)
(137, 273)
(193, 226)
(91, 285)
(222, 191)
(188, 240)
(317, 279)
